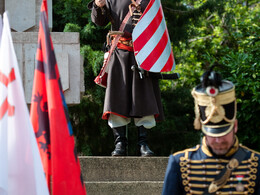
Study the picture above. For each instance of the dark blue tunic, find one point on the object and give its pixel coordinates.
(192, 170)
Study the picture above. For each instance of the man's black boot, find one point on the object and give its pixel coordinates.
(120, 141)
(142, 142)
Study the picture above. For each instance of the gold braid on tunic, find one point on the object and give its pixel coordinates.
(198, 174)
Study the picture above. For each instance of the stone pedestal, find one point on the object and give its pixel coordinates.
(24, 17)
(67, 51)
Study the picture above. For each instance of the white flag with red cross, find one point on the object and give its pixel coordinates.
(21, 170)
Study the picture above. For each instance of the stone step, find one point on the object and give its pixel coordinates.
(124, 188)
(120, 169)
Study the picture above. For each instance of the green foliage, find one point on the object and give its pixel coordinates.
(176, 132)
(229, 38)
(203, 33)
(181, 16)
(69, 11)
(94, 59)
(239, 56)
(70, 27)
(243, 70)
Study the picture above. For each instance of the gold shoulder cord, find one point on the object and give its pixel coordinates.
(254, 160)
(187, 150)
(184, 166)
(253, 151)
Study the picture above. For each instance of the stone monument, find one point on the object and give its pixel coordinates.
(24, 16)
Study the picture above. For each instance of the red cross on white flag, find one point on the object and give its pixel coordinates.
(6, 107)
(21, 171)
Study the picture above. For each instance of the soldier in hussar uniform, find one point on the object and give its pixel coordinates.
(219, 165)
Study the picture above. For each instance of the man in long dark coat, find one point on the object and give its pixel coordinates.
(128, 95)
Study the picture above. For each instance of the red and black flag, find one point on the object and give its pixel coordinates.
(49, 116)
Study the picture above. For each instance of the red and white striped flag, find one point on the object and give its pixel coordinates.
(21, 170)
(152, 46)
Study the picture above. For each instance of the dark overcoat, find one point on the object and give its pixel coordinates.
(127, 94)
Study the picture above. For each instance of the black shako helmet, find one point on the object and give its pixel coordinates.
(215, 105)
